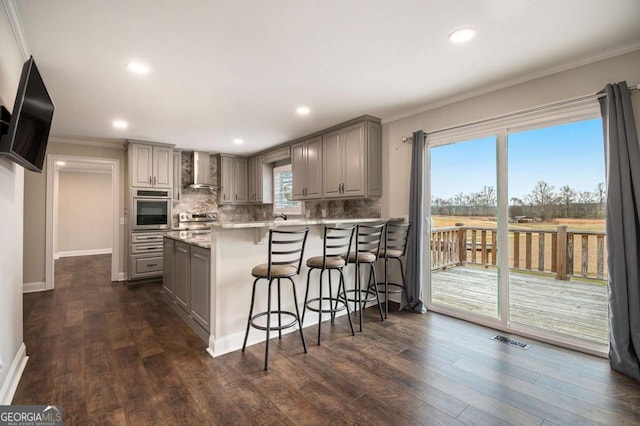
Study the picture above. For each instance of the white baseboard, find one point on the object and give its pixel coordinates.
(122, 276)
(34, 287)
(73, 253)
(10, 383)
(233, 342)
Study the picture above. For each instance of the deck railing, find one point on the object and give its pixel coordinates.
(561, 252)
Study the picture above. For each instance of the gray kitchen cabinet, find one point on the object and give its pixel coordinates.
(182, 269)
(200, 285)
(306, 168)
(232, 180)
(150, 166)
(260, 181)
(352, 159)
(177, 174)
(168, 276)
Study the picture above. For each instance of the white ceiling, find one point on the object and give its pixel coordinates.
(239, 68)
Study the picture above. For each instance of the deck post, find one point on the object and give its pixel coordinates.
(462, 246)
(561, 253)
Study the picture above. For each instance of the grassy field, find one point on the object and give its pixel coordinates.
(574, 225)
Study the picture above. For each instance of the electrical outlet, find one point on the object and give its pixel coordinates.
(123, 221)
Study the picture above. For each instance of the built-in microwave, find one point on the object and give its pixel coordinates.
(151, 210)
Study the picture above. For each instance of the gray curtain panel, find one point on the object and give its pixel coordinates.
(623, 228)
(412, 294)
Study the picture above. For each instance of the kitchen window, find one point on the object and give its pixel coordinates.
(283, 201)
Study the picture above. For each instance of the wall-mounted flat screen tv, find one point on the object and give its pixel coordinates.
(25, 142)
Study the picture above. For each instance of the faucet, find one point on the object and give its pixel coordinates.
(281, 215)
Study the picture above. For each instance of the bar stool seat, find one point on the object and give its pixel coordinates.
(337, 243)
(286, 249)
(362, 257)
(333, 262)
(277, 271)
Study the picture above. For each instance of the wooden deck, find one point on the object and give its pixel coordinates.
(574, 308)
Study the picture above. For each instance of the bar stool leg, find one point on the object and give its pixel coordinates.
(253, 298)
(372, 286)
(333, 314)
(279, 313)
(346, 303)
(306, 294)
(386, 288)
(295, 303)
(320, 307)
(358, 295)
(266, 348)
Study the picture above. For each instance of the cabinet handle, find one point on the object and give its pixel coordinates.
(150, 181)
(152, 264)
(155, 181)
(236, 196)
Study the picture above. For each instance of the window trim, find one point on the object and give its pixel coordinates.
(295, 211)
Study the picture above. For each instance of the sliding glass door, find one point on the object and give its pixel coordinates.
(516, 237)
(463, 227)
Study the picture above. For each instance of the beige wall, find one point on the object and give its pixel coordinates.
(585, 80)
(85, 212)
(34, 204)
(11, 193)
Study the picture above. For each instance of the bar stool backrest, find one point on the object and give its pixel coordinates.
(368, 238)
(396, 236)
(286, 248)
(337, 241)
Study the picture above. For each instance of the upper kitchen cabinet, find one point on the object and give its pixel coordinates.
(260, 181)
(306, 168)
(177, 174)
(232, 180)
(352, 161)
(150, 165)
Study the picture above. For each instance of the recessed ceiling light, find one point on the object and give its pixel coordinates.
(60, 163)
(138, 68)
(303, 110)
(462, 36)
(238, 141)
(120, 124)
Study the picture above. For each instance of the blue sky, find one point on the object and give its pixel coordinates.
(570, 154)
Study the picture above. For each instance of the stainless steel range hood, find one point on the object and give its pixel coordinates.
(201, 171)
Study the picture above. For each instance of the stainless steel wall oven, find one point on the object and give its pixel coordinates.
(151, 210)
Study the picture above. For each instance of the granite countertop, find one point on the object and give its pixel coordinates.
(200, 238)
(298, 222)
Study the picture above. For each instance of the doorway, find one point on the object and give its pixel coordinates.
(57, 163)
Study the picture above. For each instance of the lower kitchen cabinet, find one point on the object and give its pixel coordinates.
(200, 285)
(168, 275)
(182, 283)
(186, 281)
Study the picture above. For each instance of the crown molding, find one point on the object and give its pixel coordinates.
(627, 48)
(113, 145)
(16, 25)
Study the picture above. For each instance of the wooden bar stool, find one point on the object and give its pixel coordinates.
(337, 245)
(395, 247)
(286, 249)
(367, 247)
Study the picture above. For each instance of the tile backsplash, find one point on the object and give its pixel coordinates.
(205, 200)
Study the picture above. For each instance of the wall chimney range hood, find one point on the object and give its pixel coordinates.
(201, 171)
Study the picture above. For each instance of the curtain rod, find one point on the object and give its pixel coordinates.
(405, 139)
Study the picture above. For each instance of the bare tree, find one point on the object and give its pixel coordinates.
(567, 197)
(543, 197)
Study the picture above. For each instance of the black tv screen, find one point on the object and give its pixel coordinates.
(26, 140)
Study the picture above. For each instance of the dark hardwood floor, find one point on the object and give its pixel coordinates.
(112, 354)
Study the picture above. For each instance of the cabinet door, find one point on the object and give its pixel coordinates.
(332, 154)
(226, 180)
(200, 286)
(140, 169)
(299, 170)
(314, 168)
(240, 181)
(177, 175)
(182, 283)
(162, 166)
(353, 174)
(258, 179)
(374, 160)
(168, 276)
